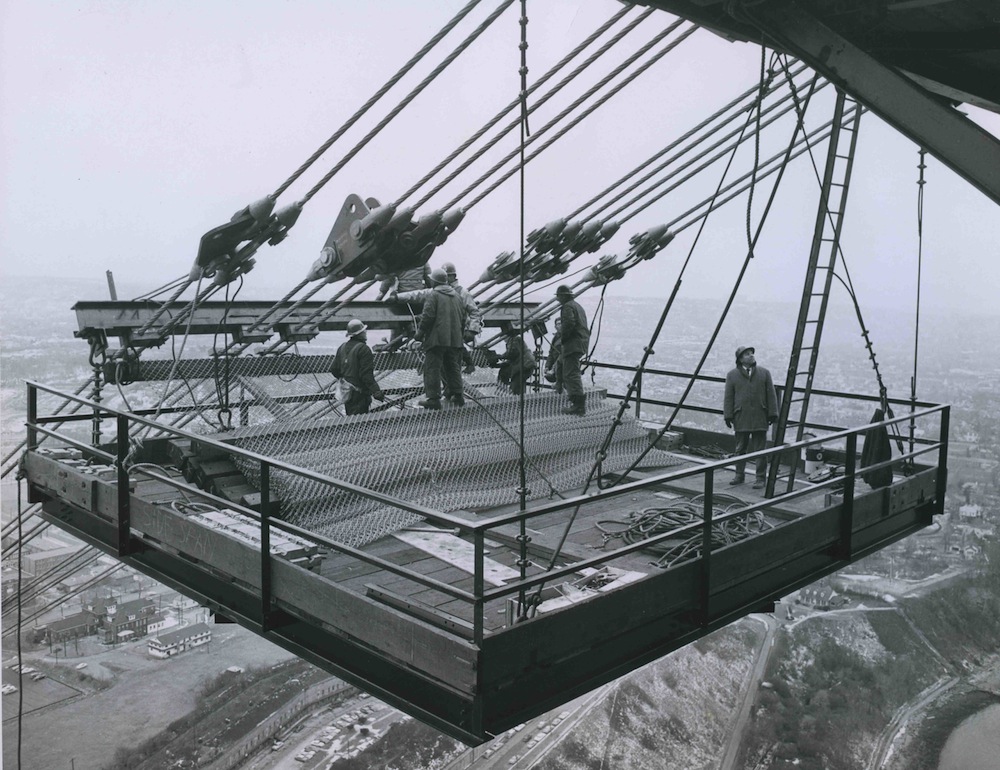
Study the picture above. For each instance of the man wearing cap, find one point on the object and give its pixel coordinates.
(440, 331)
(575, 338)
(749, 406)
(354, 364)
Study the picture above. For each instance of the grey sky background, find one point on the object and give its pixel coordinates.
(131, 128)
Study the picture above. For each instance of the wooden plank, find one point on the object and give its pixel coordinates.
(418, 609)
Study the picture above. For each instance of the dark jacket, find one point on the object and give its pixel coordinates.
(473, 315)
(355, 363)
(518, 360)
(575, 334)
(443, 319)
(750, 401)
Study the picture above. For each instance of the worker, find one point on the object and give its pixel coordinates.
(411, 280)
(575, 338)
(440, 334)
(517, 364)
(553, 362)
(749, 406)
(473, 315)
(354, 365)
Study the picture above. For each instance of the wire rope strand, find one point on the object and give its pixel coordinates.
(535, 105)
(408, 98)
(515, 103)
(377, 95)
(737, 102)
(656, 57)
(522, 490)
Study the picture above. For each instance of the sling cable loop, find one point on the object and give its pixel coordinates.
(513, 104)
(522, 490)
(649, 351)
(732, 295)
(377, 95)
(920, 256)
(409, 97)
(848, 285)
(537, 104)
(641, 69)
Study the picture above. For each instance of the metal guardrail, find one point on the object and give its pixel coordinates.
(480, 529)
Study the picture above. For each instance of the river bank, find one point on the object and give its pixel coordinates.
(920, 748)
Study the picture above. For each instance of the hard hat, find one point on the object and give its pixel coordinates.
(743, 349)
(355, 327)
(564, 291)
(438, 276)
(449, 268)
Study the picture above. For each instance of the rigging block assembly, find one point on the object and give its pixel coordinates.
(491, 555)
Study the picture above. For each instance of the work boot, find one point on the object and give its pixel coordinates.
(736, 481)
(578, 405)
(469, 368)
(430, 403)
(457, 400)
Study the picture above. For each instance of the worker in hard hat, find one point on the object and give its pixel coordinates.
(440, 332)
(473, 315)
(354, 365)
(749, 406)
(575, 338)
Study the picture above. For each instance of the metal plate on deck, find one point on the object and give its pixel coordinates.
(458, 553)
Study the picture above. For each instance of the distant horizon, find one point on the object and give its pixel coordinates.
(258, 293)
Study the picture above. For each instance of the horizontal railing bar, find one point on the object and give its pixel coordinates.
(312, 536)
(83, 446)
(722, 380)
(570, 502)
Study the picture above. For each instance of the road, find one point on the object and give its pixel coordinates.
(750, 692)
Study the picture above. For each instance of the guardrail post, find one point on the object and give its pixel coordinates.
(846, 547)
(32, 437)
(706, 546)
(478, 588)
(124, 507)
(265, 546)
(638, 394)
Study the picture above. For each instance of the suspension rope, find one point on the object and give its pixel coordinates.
(522, 489)
(712, 132)
(616, 71)
(409, 98)
(783, 106)
(536, 105)
(377, 95)
(516, 102)
(920, 258)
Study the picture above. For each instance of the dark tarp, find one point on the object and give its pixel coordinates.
(877, 449)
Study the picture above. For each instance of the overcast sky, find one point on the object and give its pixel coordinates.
(130, 128)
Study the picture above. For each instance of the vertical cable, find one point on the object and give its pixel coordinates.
(522, 489)
(920, 249)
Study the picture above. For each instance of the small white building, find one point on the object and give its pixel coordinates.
(175, 642)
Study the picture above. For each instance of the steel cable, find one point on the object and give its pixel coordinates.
(377, 95)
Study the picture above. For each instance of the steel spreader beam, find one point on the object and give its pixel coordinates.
(967, 149)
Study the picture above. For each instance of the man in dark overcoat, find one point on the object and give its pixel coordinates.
(750, 405)
(575, 337)
(440, 331)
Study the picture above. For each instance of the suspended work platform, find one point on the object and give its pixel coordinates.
(443, 597)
